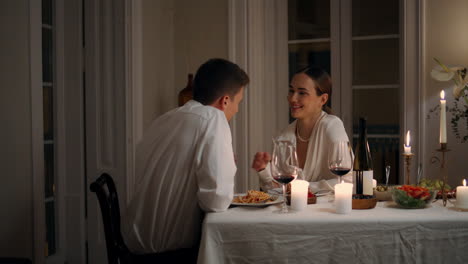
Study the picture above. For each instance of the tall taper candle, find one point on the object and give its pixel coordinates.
(407, 146)
(443, 125)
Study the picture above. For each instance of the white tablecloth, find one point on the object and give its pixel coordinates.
(385, 234)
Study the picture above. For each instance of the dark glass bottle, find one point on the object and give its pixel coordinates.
(186, 94)
(363, 162)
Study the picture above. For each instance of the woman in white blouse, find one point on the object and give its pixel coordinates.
(313, 131)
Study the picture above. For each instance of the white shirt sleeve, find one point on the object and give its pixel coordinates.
(215, 174)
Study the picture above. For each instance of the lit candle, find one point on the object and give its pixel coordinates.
(299, 191)
(407, 145)
(443, 127)
(343, 198)
(462, 196)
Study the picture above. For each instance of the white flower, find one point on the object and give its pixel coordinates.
(456, 74)
(458, 88)
(439, 74)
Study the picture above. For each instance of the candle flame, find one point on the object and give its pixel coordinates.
(408, 138)
(464, 182)
(442, 95)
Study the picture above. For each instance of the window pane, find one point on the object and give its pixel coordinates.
(48, 110)
(376, 61)
(303, 55)
(309, 19)
(47, 12)
(372, 17)
(50, 223)
(49, 170)
(381, 107)
(47, 55)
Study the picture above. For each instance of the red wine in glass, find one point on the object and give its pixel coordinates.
(340, 171)
(340, 158)
(284, 179)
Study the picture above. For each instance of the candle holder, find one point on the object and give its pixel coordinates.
(443, 169)
(408, 158)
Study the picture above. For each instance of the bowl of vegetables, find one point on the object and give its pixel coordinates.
(412, 197)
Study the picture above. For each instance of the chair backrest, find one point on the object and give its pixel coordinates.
(109, 204)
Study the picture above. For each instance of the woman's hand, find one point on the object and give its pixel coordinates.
(260, 161)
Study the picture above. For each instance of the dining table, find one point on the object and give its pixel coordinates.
(317, 234)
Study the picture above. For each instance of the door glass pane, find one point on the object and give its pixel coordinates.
(48, 119)
(376, 71)
(380, 106)
(303, 55)
(47, 55)
(47, 12)
(309, 19)
(48, 111)
(371, 17)
(50, 233)
(376, 62)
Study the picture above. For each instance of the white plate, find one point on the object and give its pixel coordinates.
(279, 199)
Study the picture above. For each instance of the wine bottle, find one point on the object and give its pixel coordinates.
(363, 168)
(186, 94)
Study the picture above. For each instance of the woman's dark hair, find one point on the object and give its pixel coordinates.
(323, 84)
(218, 77)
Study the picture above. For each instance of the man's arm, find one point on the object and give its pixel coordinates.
(215, 174)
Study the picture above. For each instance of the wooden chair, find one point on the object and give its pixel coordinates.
(117, 251)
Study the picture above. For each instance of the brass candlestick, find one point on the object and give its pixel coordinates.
(408, 157)
(443, 169)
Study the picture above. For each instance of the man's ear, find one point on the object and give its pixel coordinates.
(222, 102)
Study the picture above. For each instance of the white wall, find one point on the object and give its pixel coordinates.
(446, 39)
(177, 36)
(16, 217)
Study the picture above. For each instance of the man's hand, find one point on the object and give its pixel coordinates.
(260, 161)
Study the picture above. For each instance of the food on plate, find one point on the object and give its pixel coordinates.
(433, 184)
(409, 196)
(254, 197)
(381, 188)
(416, 192)
(383, 193)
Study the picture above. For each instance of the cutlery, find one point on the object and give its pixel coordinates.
(387, 174)
(419, 173)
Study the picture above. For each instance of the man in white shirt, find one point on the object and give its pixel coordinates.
(185, 164)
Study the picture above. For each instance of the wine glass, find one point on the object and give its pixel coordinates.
(340, 159)
(284, 166)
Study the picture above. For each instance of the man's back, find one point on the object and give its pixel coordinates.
(184, 162)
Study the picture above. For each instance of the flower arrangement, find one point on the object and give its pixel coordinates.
(459, 111)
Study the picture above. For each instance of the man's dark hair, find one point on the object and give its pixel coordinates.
(218, 77)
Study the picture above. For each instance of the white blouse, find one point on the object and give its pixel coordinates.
(184, 163)
(327, 129)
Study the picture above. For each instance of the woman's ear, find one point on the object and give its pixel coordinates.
(324, 98)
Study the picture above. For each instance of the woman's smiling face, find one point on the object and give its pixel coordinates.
(303, 99)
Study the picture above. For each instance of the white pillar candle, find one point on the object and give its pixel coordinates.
(343, 198)
(407, 145)
(299, 192)
(374, 183)
(462, 196)
(443, 127)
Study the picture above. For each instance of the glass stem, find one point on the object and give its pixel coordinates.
(285, 208)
